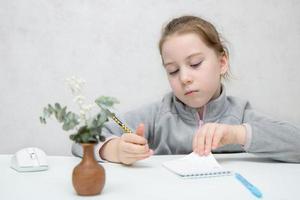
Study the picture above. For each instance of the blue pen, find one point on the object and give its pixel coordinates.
(254, 190)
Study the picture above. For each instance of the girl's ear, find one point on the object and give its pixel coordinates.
(224, 63)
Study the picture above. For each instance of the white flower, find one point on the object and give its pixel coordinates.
(76, 85)
(79, 99)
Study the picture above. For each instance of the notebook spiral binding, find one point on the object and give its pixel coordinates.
(208, 174)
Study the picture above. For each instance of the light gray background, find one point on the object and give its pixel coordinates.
(113, 45)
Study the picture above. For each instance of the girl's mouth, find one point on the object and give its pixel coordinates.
(190, 92)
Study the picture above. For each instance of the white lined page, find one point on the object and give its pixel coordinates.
(193, 165)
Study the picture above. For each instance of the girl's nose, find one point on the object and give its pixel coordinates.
(185, 76)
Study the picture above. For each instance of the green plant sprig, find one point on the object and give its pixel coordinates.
(91, 131)
(69, 119)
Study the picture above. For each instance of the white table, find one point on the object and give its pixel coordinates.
(148, 179)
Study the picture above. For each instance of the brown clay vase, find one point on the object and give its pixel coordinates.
(88, 176)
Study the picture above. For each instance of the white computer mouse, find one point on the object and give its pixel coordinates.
(29, 159)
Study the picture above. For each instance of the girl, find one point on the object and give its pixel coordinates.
(197, 115)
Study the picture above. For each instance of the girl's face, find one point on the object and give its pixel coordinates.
(194, 70)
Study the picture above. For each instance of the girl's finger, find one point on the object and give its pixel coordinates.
(208, 139)
(133, 138)
(201, 140)
(138, 156)
(217, 138)
(195, 140)
(140, 130)
(135, 148)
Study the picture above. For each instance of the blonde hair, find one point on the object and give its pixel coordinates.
(204, 29)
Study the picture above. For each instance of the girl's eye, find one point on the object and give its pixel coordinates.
(174, 72)
(196, 65)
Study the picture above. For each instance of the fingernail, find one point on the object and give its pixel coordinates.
(207, 152)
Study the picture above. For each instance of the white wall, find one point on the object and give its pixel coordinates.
(113, 45)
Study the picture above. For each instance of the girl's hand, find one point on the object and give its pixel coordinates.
(213, 135)
(133, 147)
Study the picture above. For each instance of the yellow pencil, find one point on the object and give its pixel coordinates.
(121, 124)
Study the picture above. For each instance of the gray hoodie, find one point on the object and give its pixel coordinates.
(170, 126)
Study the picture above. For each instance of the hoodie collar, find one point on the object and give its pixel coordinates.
(212, 110)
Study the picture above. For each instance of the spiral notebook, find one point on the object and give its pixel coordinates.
(195, 166)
